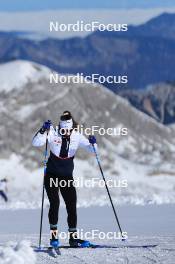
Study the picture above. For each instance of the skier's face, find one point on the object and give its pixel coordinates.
(66, 124)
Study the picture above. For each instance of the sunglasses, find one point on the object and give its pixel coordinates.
(65, 117)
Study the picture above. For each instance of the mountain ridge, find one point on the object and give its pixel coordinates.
(138, 53)
(146, 54)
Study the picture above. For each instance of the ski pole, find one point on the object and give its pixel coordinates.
(110, 198)
(42, 203)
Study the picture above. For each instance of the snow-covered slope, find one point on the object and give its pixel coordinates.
(145, 157)
(25, 186)
(16, 74)
(19, 253)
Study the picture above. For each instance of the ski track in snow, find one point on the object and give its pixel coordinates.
(164, 253)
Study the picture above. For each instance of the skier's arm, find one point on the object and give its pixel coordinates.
(40, 138)
(85, 143)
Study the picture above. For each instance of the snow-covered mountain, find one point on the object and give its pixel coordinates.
(157, 101)
(16, 75)
(137, 53)
(145, 157)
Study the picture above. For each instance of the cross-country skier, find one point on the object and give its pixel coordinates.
(60, 165)
(3, 189)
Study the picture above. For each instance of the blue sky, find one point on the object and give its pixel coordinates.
(31, 5)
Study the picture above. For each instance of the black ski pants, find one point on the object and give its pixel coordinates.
(64, 185)
(4, 196)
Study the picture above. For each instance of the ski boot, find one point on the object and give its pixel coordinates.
(76, 242)
(54, 242)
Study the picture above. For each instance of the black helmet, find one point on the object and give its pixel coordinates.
(66, 116)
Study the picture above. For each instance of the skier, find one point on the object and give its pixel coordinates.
(63, 146)
(3, 189)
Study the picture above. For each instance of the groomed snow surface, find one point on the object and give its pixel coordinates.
(146, 225)
(164, 253)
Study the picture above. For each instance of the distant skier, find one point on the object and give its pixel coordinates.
(60, 167)
(3, 189)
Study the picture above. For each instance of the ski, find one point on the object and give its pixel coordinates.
(124, 246)
(96, 246)
(111, 246)
(53, 252)
(56, 250)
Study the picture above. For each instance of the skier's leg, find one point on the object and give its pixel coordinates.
(4, 196)
(70, 198)
(53, 196)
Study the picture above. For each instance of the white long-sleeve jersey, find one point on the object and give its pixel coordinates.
(77, 140)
